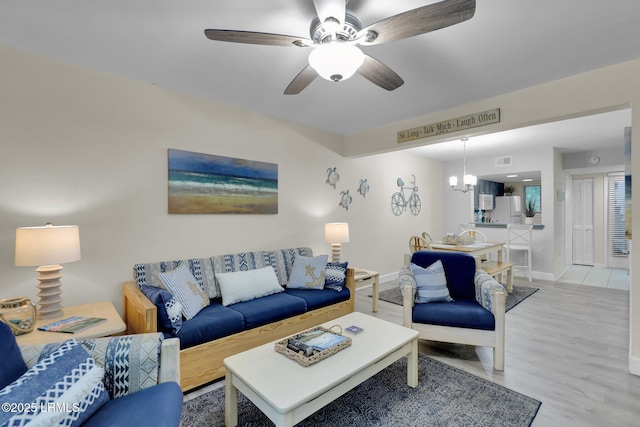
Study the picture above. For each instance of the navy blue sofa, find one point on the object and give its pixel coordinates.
(476, 315)
(128, 394)
(218, 331)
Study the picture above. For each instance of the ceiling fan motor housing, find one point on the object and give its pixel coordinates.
(348, 31)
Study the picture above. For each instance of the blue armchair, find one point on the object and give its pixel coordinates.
(118, 381)
(476, 316)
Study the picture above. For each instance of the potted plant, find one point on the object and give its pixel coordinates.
(530, 210)
(508, 190)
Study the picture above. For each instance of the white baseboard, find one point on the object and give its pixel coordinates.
(634, 365)
(389, 277)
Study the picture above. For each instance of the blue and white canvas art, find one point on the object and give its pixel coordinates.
(206, 183)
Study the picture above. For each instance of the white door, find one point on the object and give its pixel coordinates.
(583, 221)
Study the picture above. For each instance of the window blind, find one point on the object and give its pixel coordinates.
(617, 244)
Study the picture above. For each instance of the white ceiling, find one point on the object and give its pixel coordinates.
(506, 46)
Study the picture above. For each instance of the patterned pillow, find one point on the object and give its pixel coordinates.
(169, 308)
(335, 275)
(308, 272)
(64, 388)
(431, 283)
(186, 290)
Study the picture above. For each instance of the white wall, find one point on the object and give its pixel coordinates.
(459, 206)
(601, 90)
(87, 148)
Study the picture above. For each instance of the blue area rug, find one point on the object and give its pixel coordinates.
(445, 396)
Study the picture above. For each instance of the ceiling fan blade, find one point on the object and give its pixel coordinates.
(251, 37)
(331, 8)
(418, 21)
(301, 81)
(378, 73)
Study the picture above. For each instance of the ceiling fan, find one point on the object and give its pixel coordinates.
(335, 33)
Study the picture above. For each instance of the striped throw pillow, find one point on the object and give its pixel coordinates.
(431, 283)
(184, 287)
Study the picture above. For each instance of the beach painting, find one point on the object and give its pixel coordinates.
(210, 184)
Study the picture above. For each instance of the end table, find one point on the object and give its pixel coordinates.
(105, 309)
(369, 277)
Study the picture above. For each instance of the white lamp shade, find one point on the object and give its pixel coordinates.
(48, 245)
(336, 232)
(470, 180)
(453, 181)
(336, 61)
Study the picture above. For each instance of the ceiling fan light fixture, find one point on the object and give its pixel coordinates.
(336, 61)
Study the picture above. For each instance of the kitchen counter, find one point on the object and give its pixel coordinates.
(503, 225)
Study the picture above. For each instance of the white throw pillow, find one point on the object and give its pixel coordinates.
(239, 286)
(184, 287)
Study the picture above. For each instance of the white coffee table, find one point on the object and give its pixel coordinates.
(288, 392)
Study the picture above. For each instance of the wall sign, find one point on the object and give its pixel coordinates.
(452, 125)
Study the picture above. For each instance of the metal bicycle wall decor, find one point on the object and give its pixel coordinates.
(399, 202)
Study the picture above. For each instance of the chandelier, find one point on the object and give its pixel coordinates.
(468, 180)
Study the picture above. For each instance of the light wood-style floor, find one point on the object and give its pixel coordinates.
(567, 346)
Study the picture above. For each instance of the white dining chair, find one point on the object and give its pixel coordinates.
(519, 239)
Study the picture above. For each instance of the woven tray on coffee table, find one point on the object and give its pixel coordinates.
(317, 356)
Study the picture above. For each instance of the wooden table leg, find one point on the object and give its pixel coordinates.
(230, 402)
(412, 365)
(376, 293)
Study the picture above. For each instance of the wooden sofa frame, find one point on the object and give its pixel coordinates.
(203, 363)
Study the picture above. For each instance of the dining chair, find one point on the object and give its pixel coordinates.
(519, 239)
(476, 234)
(417, 243)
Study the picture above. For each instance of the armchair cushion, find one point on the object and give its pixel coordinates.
(458, 314)
(431, 283)
(156, 406)
(12, 365)
(63, 388)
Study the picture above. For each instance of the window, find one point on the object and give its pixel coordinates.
(532, 192)
(616, 204)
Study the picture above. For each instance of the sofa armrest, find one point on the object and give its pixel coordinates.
(489, 293)
(140, 314)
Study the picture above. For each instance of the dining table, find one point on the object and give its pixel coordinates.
(478, 250)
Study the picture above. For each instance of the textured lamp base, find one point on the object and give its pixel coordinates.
(50, 299)
(335, 252)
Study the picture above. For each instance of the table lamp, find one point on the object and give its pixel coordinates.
(336, 233)
(47, 247)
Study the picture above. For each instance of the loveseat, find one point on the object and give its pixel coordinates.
(119, 381)
(247, 299)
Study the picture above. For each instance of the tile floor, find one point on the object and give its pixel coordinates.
(597, 276)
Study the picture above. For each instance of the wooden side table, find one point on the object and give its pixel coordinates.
(105, 309)
(369, 277)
